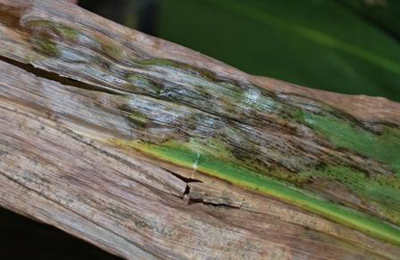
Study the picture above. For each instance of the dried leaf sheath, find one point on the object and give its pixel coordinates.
(290, 146)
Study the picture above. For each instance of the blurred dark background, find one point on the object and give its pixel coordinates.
(22, 238)
(345, 46)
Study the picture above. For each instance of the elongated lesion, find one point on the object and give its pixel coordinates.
(288, 146)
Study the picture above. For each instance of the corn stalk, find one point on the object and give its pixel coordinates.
(150, 150)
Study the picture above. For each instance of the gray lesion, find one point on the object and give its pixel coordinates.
(159, 100)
